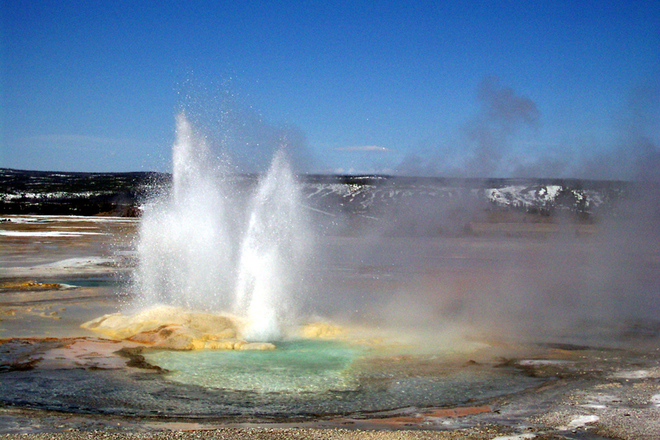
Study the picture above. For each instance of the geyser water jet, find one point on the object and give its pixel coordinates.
(272, 253)
(203, 245)
(185, 240)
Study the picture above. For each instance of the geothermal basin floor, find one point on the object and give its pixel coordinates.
(62, 381)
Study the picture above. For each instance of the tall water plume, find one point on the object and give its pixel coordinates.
(272, 252)
(202, 245)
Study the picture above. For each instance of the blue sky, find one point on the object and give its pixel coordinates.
(492, 88)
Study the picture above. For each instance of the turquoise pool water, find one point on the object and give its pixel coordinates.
(300, 366)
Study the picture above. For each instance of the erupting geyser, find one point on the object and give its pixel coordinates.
(272, 253)
(213, 244)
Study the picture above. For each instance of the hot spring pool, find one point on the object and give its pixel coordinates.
(300, 366)
(299, 380)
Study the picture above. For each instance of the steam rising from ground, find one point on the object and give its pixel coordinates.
(502, 112)
(485, 138)
(588, 276)
(582, 279)
(215, 243)
(485, 146)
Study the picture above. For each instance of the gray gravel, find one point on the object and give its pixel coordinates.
(260, 433)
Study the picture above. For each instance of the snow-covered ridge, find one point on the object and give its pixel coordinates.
(57, 195)
(501, 194)
(24, 192)
(524, 196)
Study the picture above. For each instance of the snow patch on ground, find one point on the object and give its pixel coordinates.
(79, 262)
(541, 362)
(579, 422)
(515, 437)
(47, 233)
(656, 400)
(46, 219)
(653, 373)
(65, 218)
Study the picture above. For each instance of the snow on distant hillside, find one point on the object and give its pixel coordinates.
(90, 193)
(501, 193)
(530, 196)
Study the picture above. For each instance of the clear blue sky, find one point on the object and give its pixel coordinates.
(446, 88)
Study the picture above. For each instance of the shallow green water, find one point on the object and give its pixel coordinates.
(293, 367)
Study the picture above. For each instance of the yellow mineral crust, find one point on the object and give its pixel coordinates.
(177, 329)
(28, 286)
(174, 328)
(322, 330)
